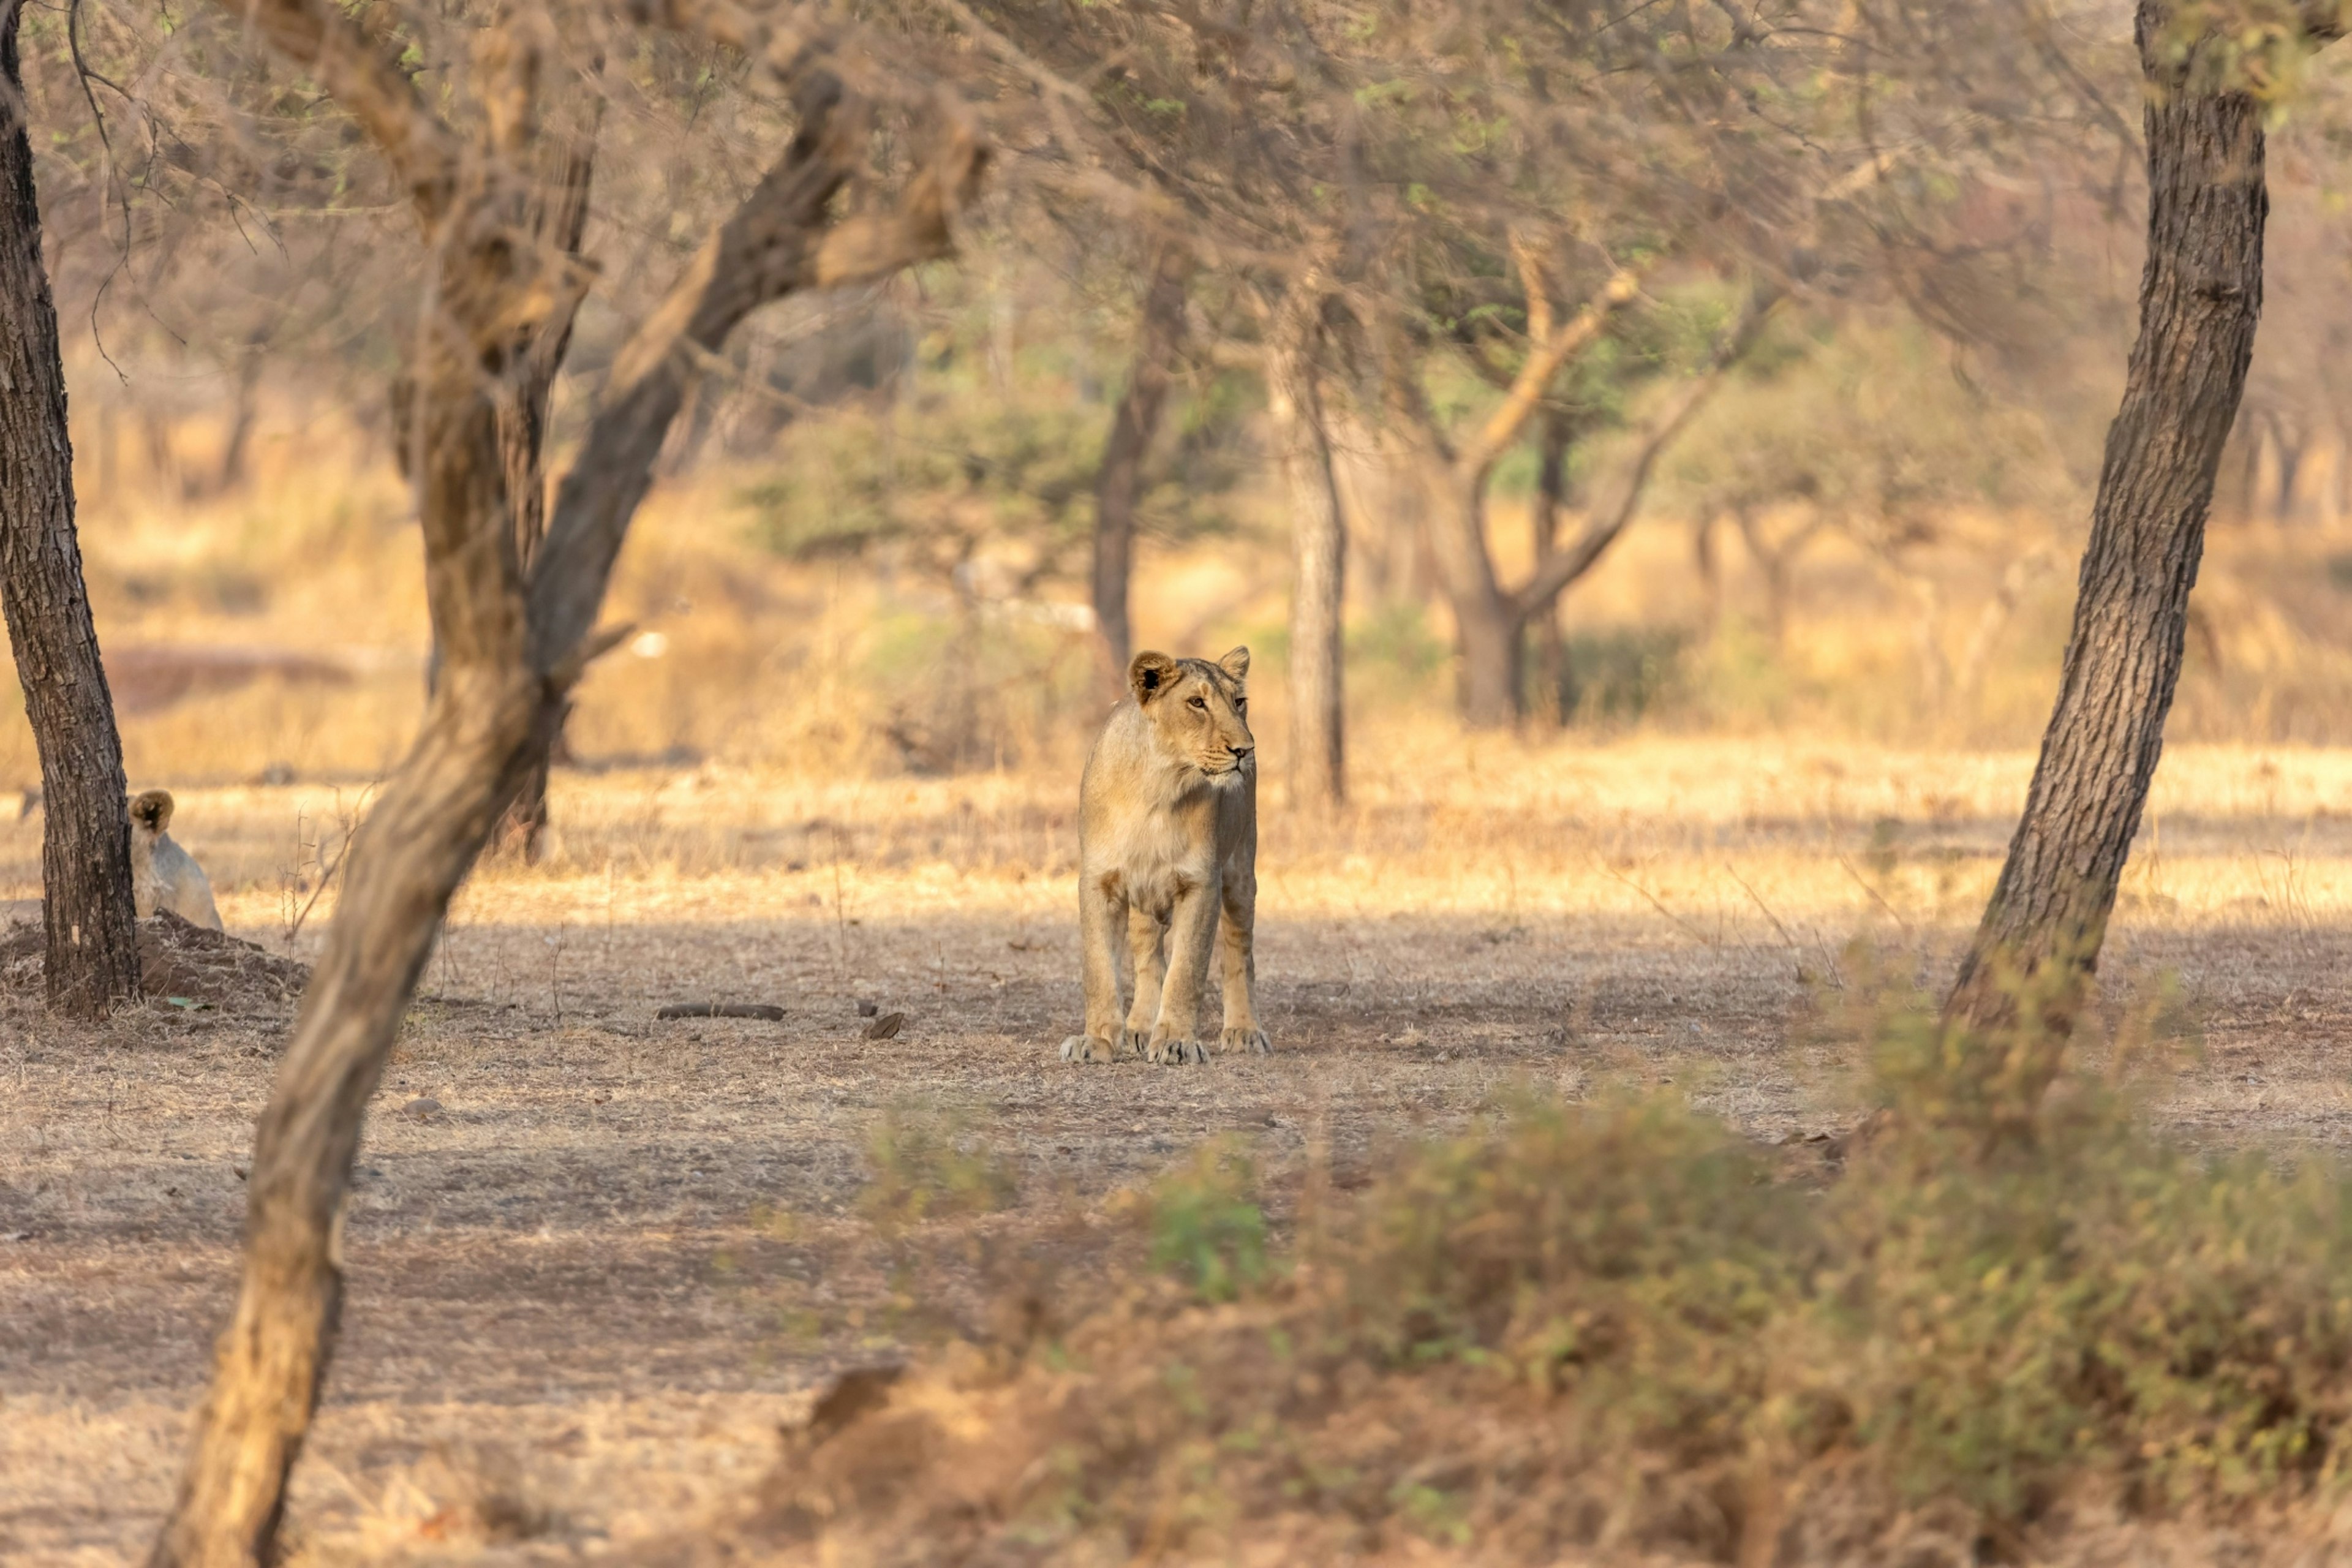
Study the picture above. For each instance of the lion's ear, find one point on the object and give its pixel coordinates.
(1150, 675)
(1235, 664)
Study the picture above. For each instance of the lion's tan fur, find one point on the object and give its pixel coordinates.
(1167, 852)
(162, 874)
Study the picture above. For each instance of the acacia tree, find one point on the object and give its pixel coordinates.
(89, 941)
(2200, 295)
(1491, 618)
(513, 642)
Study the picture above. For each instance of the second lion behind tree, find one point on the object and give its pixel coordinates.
(1168, 860)
(162, 874)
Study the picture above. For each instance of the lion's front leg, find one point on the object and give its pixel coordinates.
(1145, 941)
(1192, 933)
(1099, 911)
(1237, 942)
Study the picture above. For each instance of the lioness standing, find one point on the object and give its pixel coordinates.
(1167, 845)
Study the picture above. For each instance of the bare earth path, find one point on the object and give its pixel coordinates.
(591, 1278)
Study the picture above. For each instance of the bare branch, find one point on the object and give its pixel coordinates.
(1556, 572)
(777, 243)
(1544, 361)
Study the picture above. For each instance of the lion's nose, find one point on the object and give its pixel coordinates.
(1241, 752)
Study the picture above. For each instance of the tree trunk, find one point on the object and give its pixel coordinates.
(1486, 624)
(1119, 483)
(1551, 493)
(420, 839)
(1492, 668)
(1318, 541)
(91, 948)
(558, 218)
(2201, 291)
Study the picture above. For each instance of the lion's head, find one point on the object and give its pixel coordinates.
(1199, 711)
(152, 809)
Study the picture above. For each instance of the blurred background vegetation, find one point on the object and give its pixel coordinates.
(869, 547)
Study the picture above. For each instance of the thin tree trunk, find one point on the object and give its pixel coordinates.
(1119, 483)
(2201, 292)
(558, 218)
(91, 948)
(1319, 585)
(231, 472)
(1551, 494)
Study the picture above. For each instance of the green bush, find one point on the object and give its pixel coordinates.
(923, 1165)
(1206, 1226)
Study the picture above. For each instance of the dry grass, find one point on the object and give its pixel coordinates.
(621, 1248)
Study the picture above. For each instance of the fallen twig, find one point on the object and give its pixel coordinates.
(765, 1010)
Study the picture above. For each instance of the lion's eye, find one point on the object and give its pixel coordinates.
(1241, 704)
(1202, 705)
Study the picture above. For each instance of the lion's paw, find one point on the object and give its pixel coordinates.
(1134, 1044)
(1177, 1053)
(1085, 1049)
(1252, 1040)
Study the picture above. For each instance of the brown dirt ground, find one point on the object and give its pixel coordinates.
(620, 1251)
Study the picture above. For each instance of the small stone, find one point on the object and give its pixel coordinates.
(422, 1105)
(867, 1009)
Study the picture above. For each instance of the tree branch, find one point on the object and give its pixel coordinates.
(1553, 573)
(366, 79)
(777, 243)
(1545, 356)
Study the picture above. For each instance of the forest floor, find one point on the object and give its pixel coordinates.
(596, 1258)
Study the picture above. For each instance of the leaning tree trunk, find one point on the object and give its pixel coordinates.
(1320, 583)
(1119, 483)
(2201, 291)
(91, 945)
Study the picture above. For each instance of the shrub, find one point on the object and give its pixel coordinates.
(1619, 1324)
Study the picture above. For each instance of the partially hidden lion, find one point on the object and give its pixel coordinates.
(162, 874)
(1168, 850)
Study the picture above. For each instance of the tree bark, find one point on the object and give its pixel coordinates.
(2201, 292)
(1551, 493)
(1119, 483)
(90, 949)
(558, 218)
(1319, 580)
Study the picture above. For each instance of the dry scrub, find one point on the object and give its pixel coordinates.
(1618, 1328)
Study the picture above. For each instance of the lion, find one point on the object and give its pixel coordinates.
(162, 874)
(1168, 847)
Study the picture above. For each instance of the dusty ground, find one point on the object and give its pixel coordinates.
(596, 1276)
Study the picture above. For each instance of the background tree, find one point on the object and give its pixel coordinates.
(89, 941)
(1118, 481)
